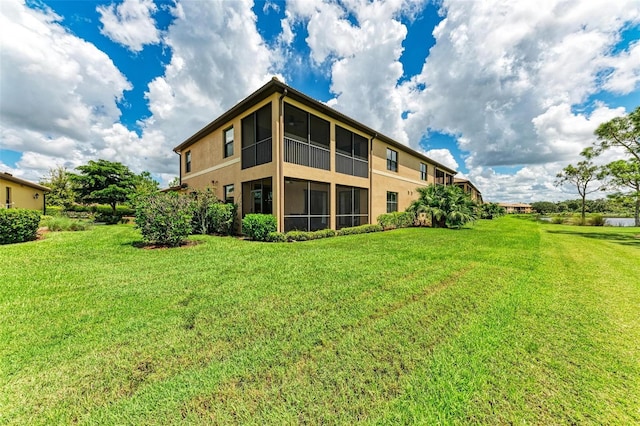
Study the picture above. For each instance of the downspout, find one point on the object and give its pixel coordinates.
(179, 167)
(280, 177)
(371, 176)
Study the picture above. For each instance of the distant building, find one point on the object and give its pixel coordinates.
(469, 188)
(516, 207)
(21, 194)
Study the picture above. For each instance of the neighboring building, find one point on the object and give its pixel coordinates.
(469, 188)
(281, 152)
(21, 194)
(516, 207)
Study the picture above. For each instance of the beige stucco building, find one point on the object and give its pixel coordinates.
(517, 208)
(22, 194)
(281, 152)
(469, 188)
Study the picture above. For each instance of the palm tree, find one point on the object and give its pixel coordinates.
(448, 206)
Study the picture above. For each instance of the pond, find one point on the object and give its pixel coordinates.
(620, 221)
(611, 221)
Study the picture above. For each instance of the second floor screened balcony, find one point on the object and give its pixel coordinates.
(306, 139)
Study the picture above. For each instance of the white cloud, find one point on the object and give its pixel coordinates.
(56, 87)
(444, 157)
(218, 58)
(130, 23)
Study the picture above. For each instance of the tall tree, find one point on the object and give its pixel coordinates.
(622, 132)
(63, 192)
(105, 182)
(581, 176)
(626, 174)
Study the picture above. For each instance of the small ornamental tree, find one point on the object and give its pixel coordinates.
(63, 193)
(105, 182)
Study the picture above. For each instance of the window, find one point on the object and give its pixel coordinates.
(352, 156)
(228, 142)
(392, 202)
(392, 160)
(352, 206)
(256, 138)
(423, 171)
(187, 162)
(228, 194)
(306, 139)
(306, 205)
(8, 203)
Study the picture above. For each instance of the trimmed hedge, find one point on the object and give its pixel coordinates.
(309, 235)
(276, 237)
(18, 225)
(223, 218)
(396, 220)
(258, 226)
(362, 229)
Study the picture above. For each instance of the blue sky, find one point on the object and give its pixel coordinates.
(506, 92)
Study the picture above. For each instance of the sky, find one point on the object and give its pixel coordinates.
(506, 92)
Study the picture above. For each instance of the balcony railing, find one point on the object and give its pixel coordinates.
(351, 165)
(256, 154)
(305, 154)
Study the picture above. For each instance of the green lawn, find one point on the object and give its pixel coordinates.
(509, 321)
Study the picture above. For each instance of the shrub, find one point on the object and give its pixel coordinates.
(597, 220)
(63, 223)
(18, 225)
(54, 210)
(362, 229)
(309, 235)
(557, 219)
(108, 218)
(202, 204)
(276, 237)
(257, 226)
(164, 218)
(222, 218)
(396, 220)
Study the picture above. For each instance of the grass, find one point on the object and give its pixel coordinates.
(510, 321)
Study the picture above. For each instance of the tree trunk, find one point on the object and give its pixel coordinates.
(637, 212)
(583, 207)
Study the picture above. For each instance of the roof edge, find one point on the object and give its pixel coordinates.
(11, 178)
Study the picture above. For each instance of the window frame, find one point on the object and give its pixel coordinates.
(392, 160)
(187, 162)
(392, 204)
(423, 173)
(226, 192)
(226, 144)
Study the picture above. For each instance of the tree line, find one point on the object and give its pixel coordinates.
(97, 182)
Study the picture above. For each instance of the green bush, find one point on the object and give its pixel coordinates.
(396, 220)
(258, 226)
(54, 210)
(222, 218)
(597, 220)
(202, 203)
(309, 235)
(63, 223)
(164, 218)
(108, 218)
(557, 219)
(276, 237)
(362, 229)
(18, 225)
